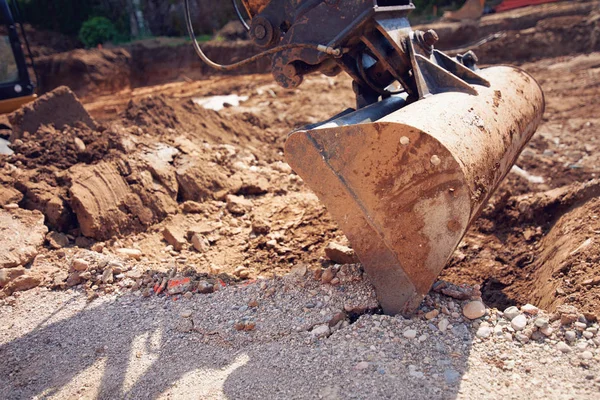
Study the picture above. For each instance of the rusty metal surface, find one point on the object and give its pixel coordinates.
(254, 7)
(404, 189)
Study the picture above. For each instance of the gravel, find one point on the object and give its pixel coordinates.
(131, 346)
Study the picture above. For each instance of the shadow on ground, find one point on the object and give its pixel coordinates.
(130, 348)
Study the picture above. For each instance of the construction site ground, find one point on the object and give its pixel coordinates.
(162, 249)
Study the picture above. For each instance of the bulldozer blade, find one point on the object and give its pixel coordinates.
(404, 182)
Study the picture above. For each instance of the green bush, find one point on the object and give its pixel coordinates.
(97, 30)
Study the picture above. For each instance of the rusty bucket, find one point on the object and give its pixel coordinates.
(404, 182)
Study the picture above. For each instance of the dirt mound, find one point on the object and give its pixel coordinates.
(151, 111)
(86, 72)
(233, 30)
(63, 148)
(58, 108)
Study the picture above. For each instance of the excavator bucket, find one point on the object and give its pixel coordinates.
(404, 182)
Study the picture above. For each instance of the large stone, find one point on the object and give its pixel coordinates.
(238, 205)
(60, 107)
(22, 232)
(340, 254)
(9, 274)
(175, 236)
(22, 283)
(474, 309)
(9, 195)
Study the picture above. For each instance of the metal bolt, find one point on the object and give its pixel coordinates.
(260, 32)
(435, 160)
(404, 140)
(430, 37)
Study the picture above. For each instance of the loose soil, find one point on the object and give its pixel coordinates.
(151, 186)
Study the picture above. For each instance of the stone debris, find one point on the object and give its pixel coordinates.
(340, 254)
(175, 236)
(519, 322)
(238, 205)
(57, 240)
(135, 254)
(79, 264)
(22, 233)
(410, 334)
(200, 243)
(474, 309)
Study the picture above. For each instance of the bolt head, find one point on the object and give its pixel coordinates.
(430, 37)
(260, 32)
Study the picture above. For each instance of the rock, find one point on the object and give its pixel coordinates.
(238, 205)
(443, 324)
(530, 309)
(205, 287)
(185, 325)
(587, 334)
(361, 365)
(57, 240)
(59, 108)
(519, 322)
(483, 332)
(451, 376)
(547, 331)
(432, 314)
(581, 326)
(175, 236)
(188, 295)
(410, 334)
(79, 264)
(586, 355)
(541, 322)
(299, 270)
(107, 276)
(8, 274)
(186, 313)
(340, 254)
(522, 337)
(511, 312)
(320, 330)
(192, 207)
(253, 303)
(98, 247)
(241, 272)
(562, 346)
(130, 253)
(474, 310)
(107, 205)
(9, 195)
(73, 279)
(22, 283)
(200, 243)
(567, 319)
(79, 145)
(338, 317)
(260, 226)
(570, 336)
(22, 232)
(328, 275)
(179, 285)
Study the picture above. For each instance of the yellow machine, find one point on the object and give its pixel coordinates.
(407, 171)
(16, 87)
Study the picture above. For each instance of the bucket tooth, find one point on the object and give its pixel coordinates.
(405, 182)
